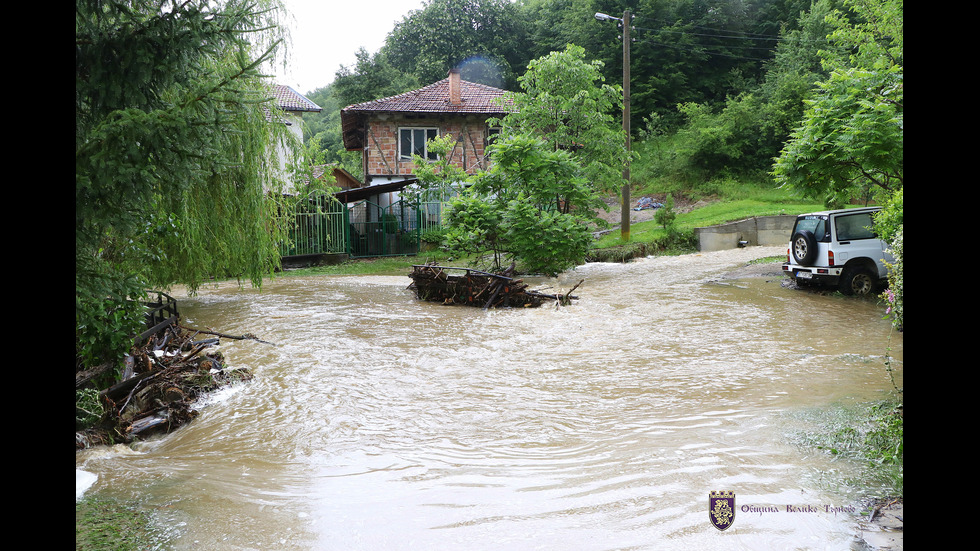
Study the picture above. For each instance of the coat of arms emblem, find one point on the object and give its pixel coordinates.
(721, 509)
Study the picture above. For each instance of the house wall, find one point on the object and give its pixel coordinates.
(381, 153)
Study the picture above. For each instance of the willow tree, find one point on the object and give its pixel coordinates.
(177, 155)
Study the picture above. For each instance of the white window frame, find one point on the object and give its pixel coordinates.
(413, 136)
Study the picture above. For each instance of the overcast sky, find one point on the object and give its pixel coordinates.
(326, 34)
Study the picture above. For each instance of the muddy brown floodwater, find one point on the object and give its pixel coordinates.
(377, 421)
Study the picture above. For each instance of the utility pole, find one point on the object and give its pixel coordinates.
(625, 213)
(626, 23)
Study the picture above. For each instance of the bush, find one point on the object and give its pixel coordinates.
(894, 296)
(547, 242)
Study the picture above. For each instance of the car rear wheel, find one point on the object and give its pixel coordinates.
(857, 281)
(804, 245)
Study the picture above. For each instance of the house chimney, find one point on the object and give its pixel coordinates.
(455, 96)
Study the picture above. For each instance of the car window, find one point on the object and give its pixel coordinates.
(815, 224)
(854, 226)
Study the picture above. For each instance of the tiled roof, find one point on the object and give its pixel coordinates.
(291, 100)
(475, 99)
(434, 98)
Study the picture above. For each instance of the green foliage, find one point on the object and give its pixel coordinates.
(894, 296)
(890, 219)
(528, 166)
(322, 133)
(176, 148)
(371, 77)
(483, 38)
(740, 134)
(565, 102)
(474, 226)
(547, 242)
(852, 136)
(522, 207)
(436, 236)
(665, 215)
(725, 142)
(440, 179)
(871, 434)
(88, 408)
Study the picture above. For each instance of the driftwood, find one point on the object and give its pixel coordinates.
(162, 378)
(478, 288)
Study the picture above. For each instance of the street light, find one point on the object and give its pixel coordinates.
(625, 213)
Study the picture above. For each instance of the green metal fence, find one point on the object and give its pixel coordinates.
(383, 231)
(323, 225)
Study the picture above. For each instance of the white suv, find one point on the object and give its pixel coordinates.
(838, 247)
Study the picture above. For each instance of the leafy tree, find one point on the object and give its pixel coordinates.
(665, 215)
(483, 38)
(519, 207)
(439, 179)
(565, 102)
(852, 133)
(557, 150)
(742, 135)
(322, 129)
(176, 155)
(851, 137)
(547, 242)
(371, 77)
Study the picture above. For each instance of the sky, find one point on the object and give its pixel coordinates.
(326, 34)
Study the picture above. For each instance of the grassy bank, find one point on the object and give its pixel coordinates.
(108, 525)
(717, 210)
(870, 434)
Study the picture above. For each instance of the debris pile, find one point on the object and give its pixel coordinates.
(478, 288)
(162, 380)
(647, 203)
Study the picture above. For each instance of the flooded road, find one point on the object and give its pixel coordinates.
(380, 422)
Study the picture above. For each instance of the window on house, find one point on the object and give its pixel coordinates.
(413, 141)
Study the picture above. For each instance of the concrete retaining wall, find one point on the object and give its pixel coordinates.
(761, 230)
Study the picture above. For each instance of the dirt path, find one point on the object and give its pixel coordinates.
(614, 215)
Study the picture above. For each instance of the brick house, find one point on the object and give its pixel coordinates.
(389, 131)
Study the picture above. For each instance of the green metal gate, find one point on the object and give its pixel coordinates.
(320, 227)
(383, 231)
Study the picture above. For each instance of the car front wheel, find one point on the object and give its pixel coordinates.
(857, 281)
